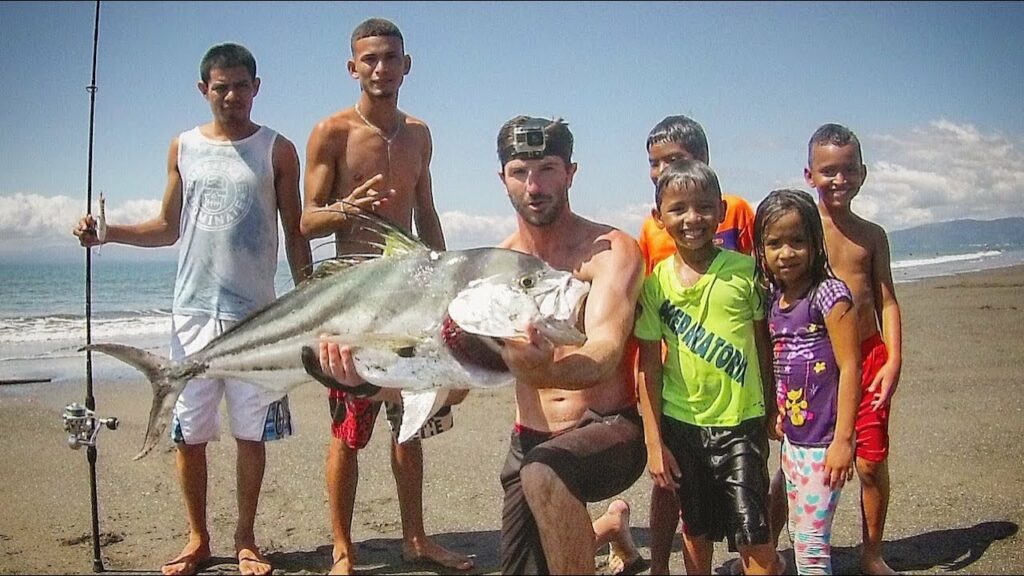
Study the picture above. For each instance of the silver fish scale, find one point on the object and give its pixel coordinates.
(378, 307)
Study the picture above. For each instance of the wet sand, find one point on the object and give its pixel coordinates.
(956, 465)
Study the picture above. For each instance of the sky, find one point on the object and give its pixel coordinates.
(933, 90)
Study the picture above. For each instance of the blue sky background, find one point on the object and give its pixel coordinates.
(934, 90)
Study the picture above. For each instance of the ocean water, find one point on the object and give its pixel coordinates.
(42, 315)
(42, 308)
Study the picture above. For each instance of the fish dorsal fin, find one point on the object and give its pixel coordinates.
(332, 266)
(394, 239)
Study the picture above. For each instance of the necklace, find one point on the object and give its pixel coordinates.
(380, 133)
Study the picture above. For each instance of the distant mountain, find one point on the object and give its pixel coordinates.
(958, 236)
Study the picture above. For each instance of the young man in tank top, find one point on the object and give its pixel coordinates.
(227, 181)
(374, 157)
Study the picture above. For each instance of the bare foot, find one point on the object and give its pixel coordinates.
(875, 567)
(432, 553)
(734, 567)
(342, 565)
(251, 562)
(623, 557)
(187, 562)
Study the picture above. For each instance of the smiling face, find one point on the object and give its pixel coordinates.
(538, 188)
(230, 92)
(837, 173)
(691, 215)
(788, 252)
(380, 64)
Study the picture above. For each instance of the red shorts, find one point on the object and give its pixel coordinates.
(352, 419)
(872, 426)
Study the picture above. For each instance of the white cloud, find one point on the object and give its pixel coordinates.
(30, 223)
(463, 230)
(943, 171)
(626, 218)
(37, 217)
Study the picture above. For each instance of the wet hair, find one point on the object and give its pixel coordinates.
(684, 131)
(227, 55)
(835, 135)
(774, 206)
(557, 137)
(376, 27)
(685, 172)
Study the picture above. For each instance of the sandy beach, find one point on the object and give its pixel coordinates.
(957, 471)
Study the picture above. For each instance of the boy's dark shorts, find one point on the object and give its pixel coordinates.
(723, 492)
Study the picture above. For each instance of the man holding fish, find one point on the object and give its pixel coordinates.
(578, 435)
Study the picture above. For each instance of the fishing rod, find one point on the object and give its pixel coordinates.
(80, 421)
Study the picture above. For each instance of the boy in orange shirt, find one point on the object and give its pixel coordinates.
(678, 137)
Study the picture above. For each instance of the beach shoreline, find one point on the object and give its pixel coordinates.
(957, 476)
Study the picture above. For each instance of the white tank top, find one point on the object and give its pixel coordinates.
(228, 254)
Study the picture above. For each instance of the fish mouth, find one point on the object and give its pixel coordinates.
(473, 349)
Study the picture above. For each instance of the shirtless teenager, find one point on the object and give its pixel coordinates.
(374, 157)
(858, 252)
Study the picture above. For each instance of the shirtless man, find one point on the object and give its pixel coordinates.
(858, 252)
(374, 157)
(577, 436)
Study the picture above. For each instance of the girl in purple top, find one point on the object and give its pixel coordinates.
(817, 368)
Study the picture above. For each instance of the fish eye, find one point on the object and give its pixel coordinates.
(527, 282)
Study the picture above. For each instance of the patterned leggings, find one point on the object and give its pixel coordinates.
(812, 506)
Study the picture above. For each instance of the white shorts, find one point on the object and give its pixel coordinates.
(254, 413)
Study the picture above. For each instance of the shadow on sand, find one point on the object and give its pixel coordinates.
(948, 550)
(384, 556)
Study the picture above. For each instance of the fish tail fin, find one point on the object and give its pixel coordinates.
(417, 407)
(166, 382)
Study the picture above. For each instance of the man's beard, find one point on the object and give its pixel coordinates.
(548, 216)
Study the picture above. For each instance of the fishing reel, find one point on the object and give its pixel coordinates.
(83, 426)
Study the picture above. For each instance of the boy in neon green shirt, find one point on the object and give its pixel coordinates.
(705, 409)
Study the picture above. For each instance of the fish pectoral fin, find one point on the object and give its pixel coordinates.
(417, 407)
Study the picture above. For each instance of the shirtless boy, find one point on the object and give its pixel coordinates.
(374, 157)
(858, 252)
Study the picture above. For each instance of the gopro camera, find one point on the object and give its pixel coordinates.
(529, 140)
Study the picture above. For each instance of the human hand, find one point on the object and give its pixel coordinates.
(775, 425)
(528, 359)
(86, 232)
(663, 468)
(839, 463)
(884, 386)
(364, 197)
(336, 362)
